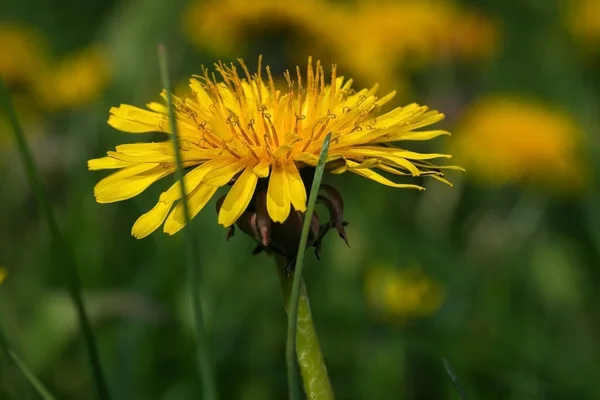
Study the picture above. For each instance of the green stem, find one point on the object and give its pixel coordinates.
(308, 352)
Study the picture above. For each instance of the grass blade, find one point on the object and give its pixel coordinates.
(59, 244)
(290, 352)
(202, 356)
(27, 373)
(454, 379)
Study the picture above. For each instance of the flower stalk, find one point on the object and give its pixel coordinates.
(308, 351)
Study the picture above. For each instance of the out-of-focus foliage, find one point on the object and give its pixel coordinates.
(498, 275)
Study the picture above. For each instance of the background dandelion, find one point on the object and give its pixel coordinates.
(509, 256)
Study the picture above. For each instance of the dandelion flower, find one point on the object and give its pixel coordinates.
(3, 274)
(242, 131)
(525, 141)
(23, 53)
(583, 21)
(402, 293)
(74, 81)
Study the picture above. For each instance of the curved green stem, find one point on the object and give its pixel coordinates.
(308, 352)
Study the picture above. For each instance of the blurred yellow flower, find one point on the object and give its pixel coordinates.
(402, 293)
(3, 274)
(244, 128)
(583, 20)
(223, 25)
(75, 81)
(374, 39)
(506, 139)
(22, 54)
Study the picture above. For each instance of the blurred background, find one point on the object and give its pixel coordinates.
(498, 275)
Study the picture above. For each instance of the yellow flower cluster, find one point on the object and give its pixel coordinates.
(583, 21)
(402, 293)
(71, 82)
(76, 80)
(22, 54)
(505, 139)
(372, 39)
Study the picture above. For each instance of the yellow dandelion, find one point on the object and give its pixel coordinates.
(525, 141)
(74, 81)
(244, 132)
(398, 34)
(3, 274)
(583, 21)
(23, 53)
(402, 292)
(223, 25)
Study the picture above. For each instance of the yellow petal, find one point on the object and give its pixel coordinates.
(262, 169)
(150, 221)
(278, 204)
(383, 154)
(192, 179)
(158, 107)
(399, 136)
(129, 182)
(196, 200)
(307, 158)
(374, 176)
(238, 198)
(106, 163)
(295, 187)
(132, 119)
(442, 179)
(146, 157)
(411, 155)
(143, 148)
(222, 174)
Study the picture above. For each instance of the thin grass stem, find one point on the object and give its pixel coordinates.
(454, 379)
(27, 373)
(205, 367)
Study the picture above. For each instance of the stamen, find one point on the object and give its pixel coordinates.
(273, 130)
(243, 132)
(258, 79)
(318, 137)
(333, 79)
(222, 69)
(271, 84)
(242, 101)
(230, 150)
(253, 131)
(298, 127)
(310, 81)
(299, 90)
(312, 134)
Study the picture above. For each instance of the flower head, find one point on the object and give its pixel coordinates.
(74, 81)
(507, 139)
(244, 132)
(23, 53)
(402, 293)
(583, 21)
(3, 274)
